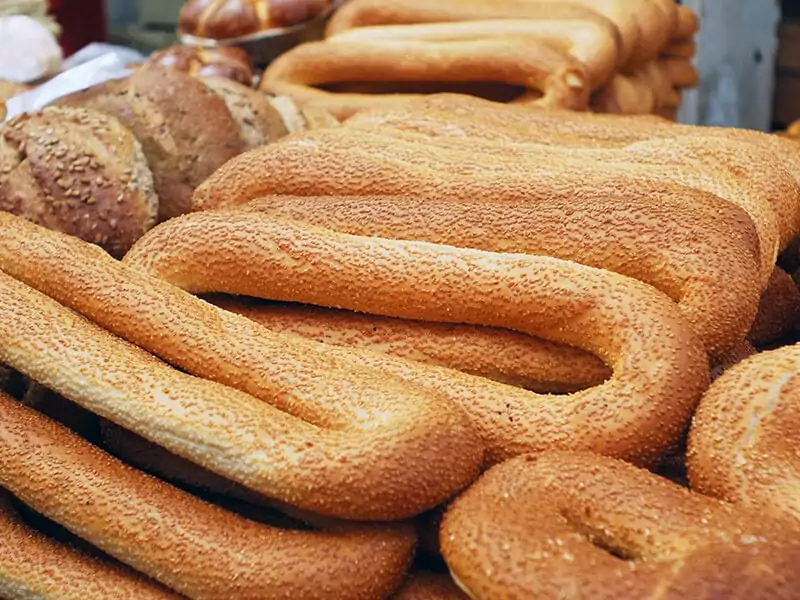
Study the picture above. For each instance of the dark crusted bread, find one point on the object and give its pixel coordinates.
(80, 172)
(226, 61)
(185, 129)
(258, 120)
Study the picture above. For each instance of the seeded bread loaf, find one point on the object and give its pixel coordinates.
(80, 172)
(185, 128)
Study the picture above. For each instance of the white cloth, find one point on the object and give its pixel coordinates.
(28, 50)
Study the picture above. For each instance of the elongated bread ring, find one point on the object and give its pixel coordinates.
(538, 68)
(744, 437)
(590, 41)
(628, 325)
(34, 566)
(577, 526)
(703, 264)
(498, 354)
(367, 162)
(429, 586)
(193, 547)
(728, 167)
(321, 443)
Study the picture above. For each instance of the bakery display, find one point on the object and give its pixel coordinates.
(225, 19)
(225, 61)
(632, 57)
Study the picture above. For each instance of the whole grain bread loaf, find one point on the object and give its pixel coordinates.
(78, 171)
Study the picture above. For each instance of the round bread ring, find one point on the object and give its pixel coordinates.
(429, 586)
(276, 439)
(574, 526)
(34, 566)
(498, 354)
(588, 41)
(778, 311)
(538, 68)
(744, 437)
(190, 546)
(694, 264)
(556, 300)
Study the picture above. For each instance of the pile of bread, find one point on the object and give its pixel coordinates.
(448, 349)
(614, 56)
(108, 163)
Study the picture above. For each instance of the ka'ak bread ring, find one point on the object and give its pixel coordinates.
(429, 586)
(744, 437)
(498, 354)
(778, 311)
(692, 263)
(279, 443)
(572, 526)
(361, 163)
(195, 548)
(34, 566)
(769, 195)
(547, 77)
(588, 41)
(553, 299)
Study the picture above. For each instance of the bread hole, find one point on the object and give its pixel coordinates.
(600, 538)
(497, 92)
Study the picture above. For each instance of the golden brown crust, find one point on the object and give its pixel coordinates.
(429, 586)
(680, 71)
(576, 526)
(225, 19)
(547, 77)
(360, 163)
(498, 354)
(80, 172)
(725, 360)
(680, 49)
(306, 440)
(687, 23)
(553, 299)
(193, 547)
(745, 435)
(591, 41)
(259, 121)
(185, 129)
(778, 311)
(34, 566)
(230, 62)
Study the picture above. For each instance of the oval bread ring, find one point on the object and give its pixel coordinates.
(361, 163)
(588, 41)
(538, 68)
(744, 437)
(692, 264)
(429, 586)
(497, 354)
(190, 546)
(280, 443)
(573, 526)
(732, 169)
(557, 300)
(34, 566)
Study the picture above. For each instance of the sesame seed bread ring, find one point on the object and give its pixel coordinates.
(659, 366)
(778, 311)
(34, 566)
(591, 42)
(743, 445)
(429, 586)
(548, 78)
(576, 526)
(498, 354)
(702, 261)
(322, 434)
(195, 548)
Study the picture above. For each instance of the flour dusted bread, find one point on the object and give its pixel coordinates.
(78, 171)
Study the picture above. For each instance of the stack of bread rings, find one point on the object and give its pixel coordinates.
(616, 56)
(447, 349)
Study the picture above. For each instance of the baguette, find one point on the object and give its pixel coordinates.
(354, 444)
(195, 548)
(628, 325)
